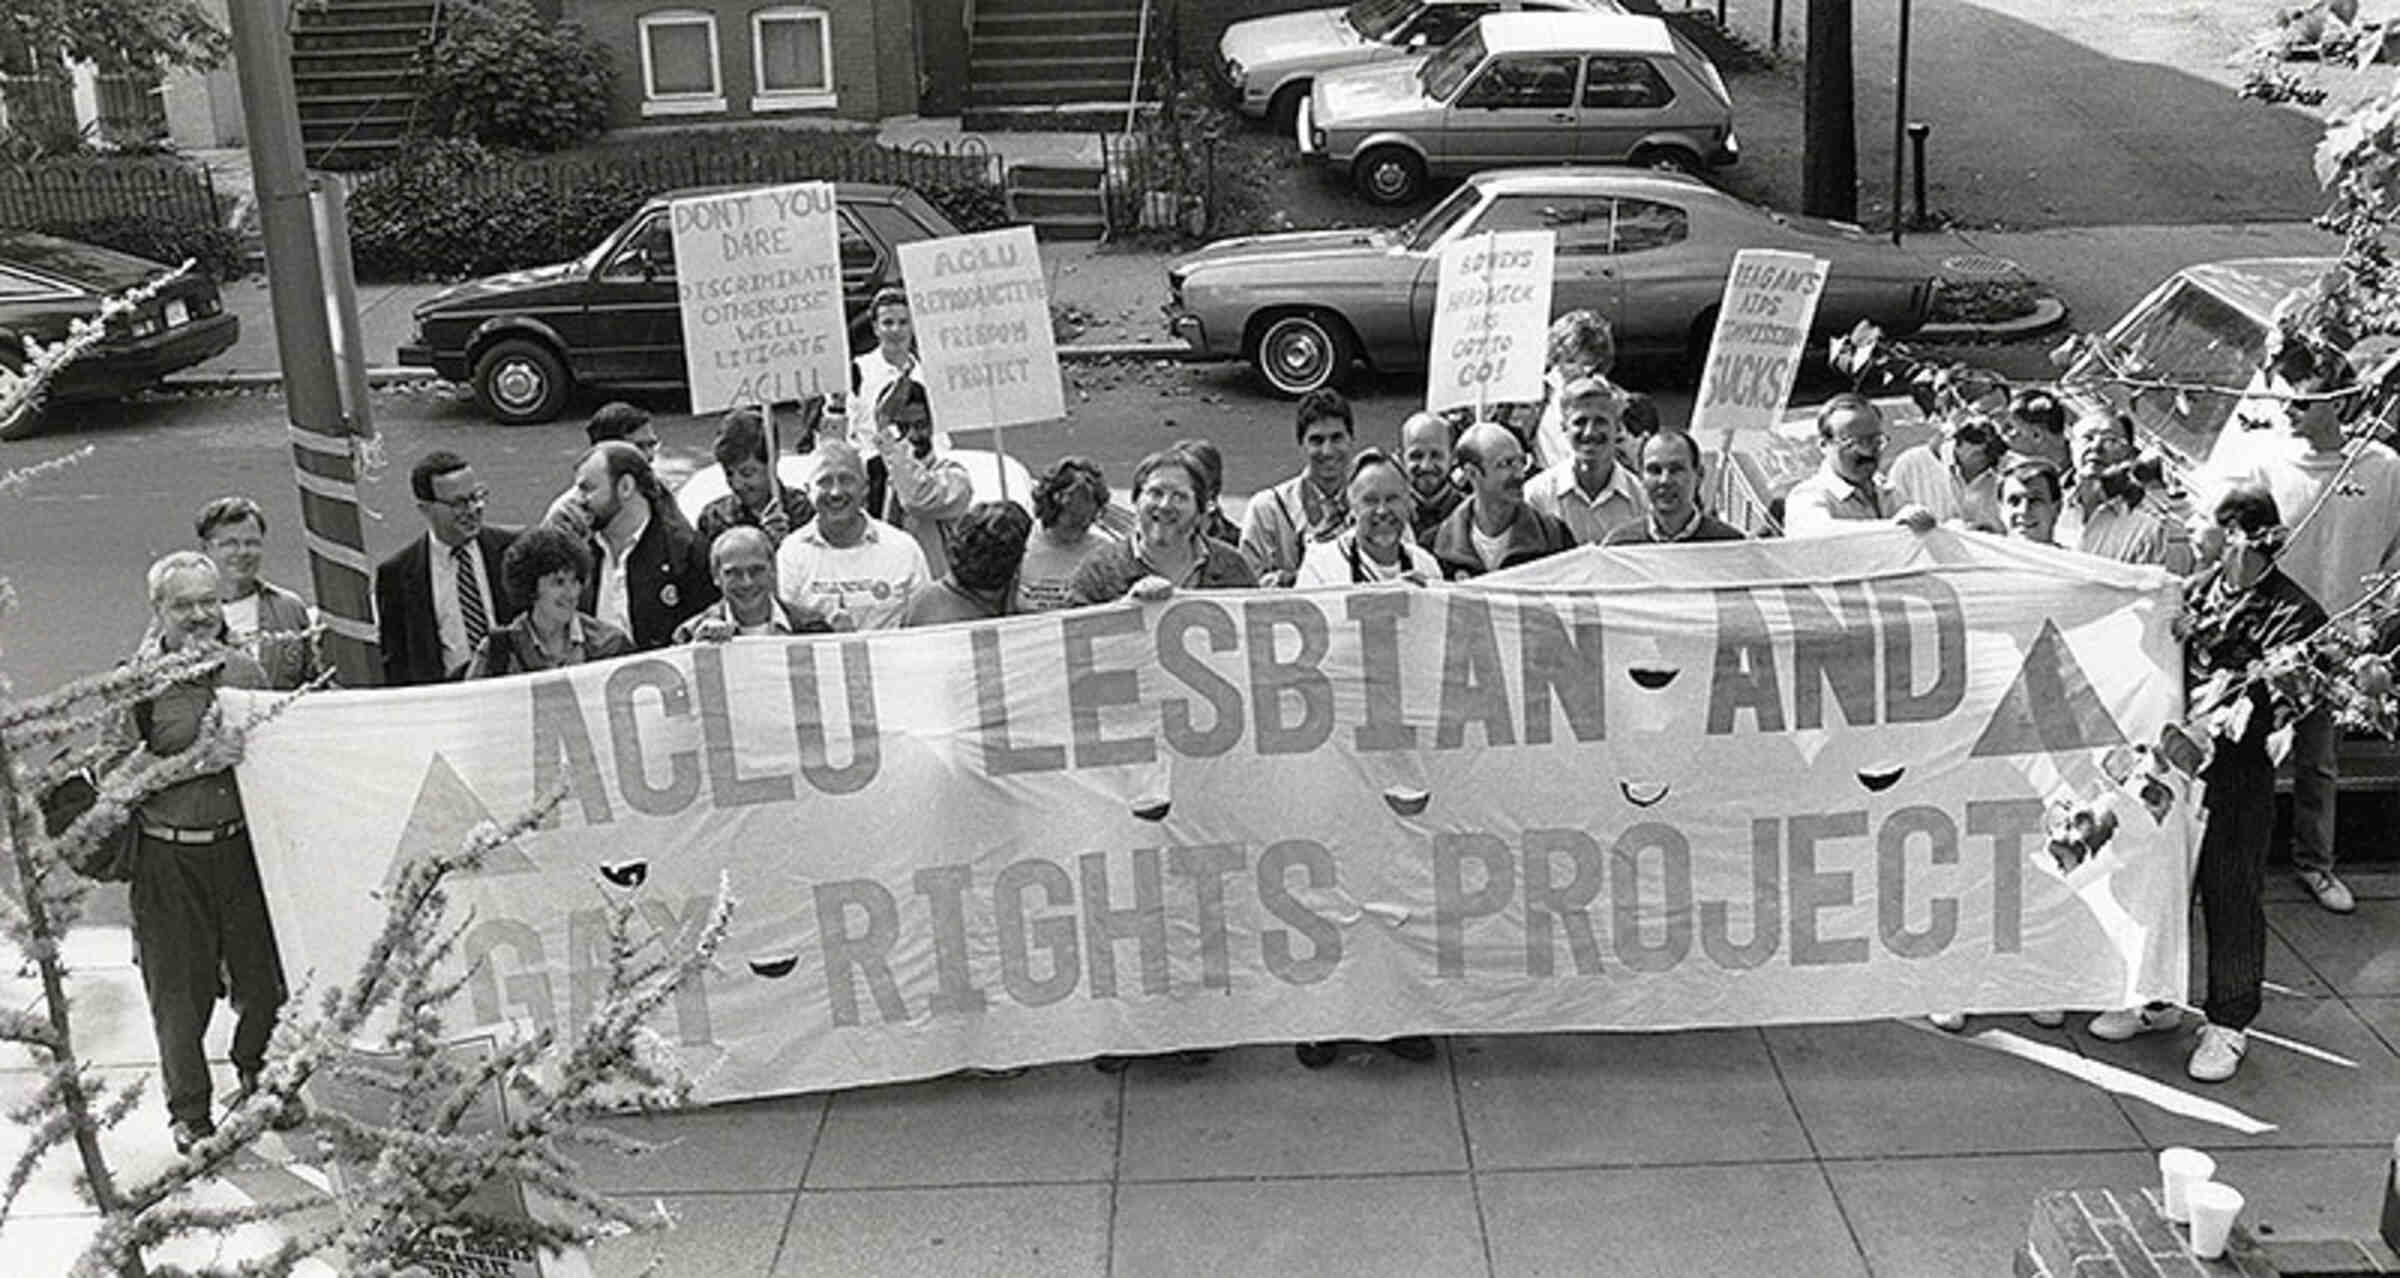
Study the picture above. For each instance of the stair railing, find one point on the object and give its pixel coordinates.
(1141, 40)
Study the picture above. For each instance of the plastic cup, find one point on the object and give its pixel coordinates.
(2178, 1170)
(2214, 1208)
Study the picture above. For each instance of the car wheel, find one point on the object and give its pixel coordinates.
(520, 382)
(1304, 351)
(1671, 159)
(1283, 110)
(1389, 175)
(21, 418)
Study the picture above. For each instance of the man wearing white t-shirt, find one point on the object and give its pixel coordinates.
(847, 566)
(2342, 499)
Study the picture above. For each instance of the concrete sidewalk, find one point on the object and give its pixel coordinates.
(1883, 1148)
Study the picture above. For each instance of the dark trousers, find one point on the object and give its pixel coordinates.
(2240, 809)
(200, 931)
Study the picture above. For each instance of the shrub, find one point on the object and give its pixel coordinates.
(214, 250)
(504, 77)
(449, 208)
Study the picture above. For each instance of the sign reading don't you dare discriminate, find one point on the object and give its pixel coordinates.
(759, 283)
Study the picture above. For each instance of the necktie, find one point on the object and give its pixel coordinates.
(470, 598)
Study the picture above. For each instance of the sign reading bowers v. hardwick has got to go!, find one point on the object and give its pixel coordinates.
(1815, 780)
(1491, 308)
(758, 275)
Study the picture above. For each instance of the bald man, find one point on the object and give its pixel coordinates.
(847, 566)
(742, 563)
(1494, 527)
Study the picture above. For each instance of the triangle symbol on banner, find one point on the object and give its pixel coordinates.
(445, 810)
(2050, 707)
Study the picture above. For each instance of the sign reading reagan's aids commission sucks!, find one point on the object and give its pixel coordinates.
(758, 277)
(981, 309)
(1762, 331)
(1867, 775)
(1491, 310)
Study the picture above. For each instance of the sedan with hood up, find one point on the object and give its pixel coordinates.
(1269, 63)
(1648, 251)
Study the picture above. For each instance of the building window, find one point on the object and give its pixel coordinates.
(792, 51)
(679, 63)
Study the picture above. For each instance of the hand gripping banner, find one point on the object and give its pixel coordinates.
(1869, 775)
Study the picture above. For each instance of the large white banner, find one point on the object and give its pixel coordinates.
(1645, 789)
(1491, 313)
(758, 277)
(1762, 331)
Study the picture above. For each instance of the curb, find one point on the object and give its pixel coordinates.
(2048, 313)
(1089, 353)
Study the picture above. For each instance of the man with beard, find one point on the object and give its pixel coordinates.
(2109, 512)
(921, 490)
(742, 561)
(1670, 462)
(1495, 527)
(847, 566)
(1310, 507)
(200, 926)
(440, 596)
(1587, 490)
(649, 572)
(1425, 455)
(1846, 488)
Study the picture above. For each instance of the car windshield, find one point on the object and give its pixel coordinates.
(1376, 19)
(1442, 73)
(2191, 335)
(1436, 222)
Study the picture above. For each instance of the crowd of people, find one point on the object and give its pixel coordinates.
(887, 532)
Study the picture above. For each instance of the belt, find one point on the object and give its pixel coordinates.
(195, 835)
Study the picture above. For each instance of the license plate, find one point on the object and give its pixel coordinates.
(178, 312)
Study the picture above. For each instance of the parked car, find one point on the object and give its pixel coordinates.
(1649, 251)
(1268, 63)
(1521, 88)
(610, 317)
(47, 283)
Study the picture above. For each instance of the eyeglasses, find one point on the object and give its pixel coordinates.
(464, 501)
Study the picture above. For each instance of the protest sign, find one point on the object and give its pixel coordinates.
(1762, 329)
(1812, 780)
(758, 276)
(985, 349)
(1491, 311)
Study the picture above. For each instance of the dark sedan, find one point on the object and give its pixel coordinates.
(47, 283)
(526, 338)
(1648, 251)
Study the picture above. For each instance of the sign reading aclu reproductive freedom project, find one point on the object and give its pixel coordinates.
(758, 275)
(982, 314)
(1762, 330)
(1491, 310)
(1814, 780)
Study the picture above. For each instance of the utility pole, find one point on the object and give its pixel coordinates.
(323, 463)
(1829, 116)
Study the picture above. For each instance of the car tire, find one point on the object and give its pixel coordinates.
(1670, 159)
(22, 419)
(521, 382)
(1389, 175)
(1283, 110)
(1301, 351)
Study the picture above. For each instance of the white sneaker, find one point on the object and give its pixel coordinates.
(2047, 1020)
(1952, 1022)
(2131, 1022)
(2218, 1055)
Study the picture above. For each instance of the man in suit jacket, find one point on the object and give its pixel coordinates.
(438, 597)
(649, 572)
